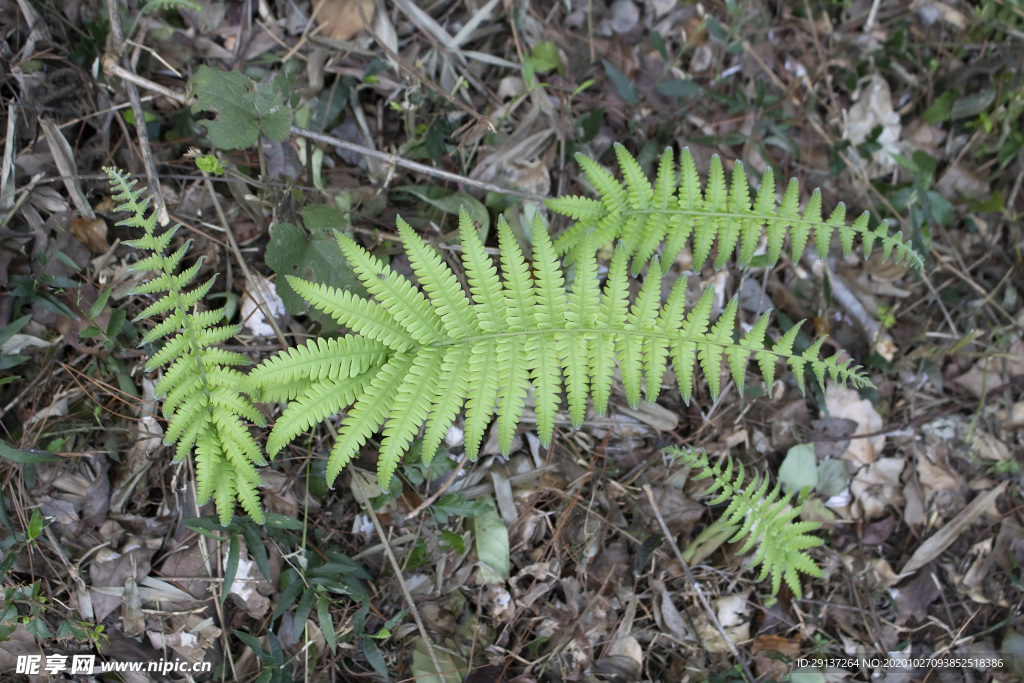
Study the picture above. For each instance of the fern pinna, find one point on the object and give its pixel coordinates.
(640, 216)
(203, 405)
(415, 358)
(763, 517)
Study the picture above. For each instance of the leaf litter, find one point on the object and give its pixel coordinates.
(551, 566)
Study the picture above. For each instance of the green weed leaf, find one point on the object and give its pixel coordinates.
(244, 109)
(312, 255)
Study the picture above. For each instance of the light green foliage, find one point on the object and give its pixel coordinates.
(765, 520)
(202, 402)
(642, 216)
(415, 358)
(210, 164)
(311, 254)
(244, 108)
(161, 5)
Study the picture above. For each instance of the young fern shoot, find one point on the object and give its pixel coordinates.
(764, 518)
(202, 403)
(641, 216)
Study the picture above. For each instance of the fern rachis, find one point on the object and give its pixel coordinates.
(763, 518)
(203, 404)
(431, 354)
(642, 216)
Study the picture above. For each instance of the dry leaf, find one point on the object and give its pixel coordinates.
(872, 109)
(937, 543)
(986, 375)
(254, 319)
(92, 232)
(767, 667)
(342, 19)
(847, 403)
(876, 486)
(913, 598)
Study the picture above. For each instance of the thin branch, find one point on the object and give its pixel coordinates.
(110, 60)
(111, 68)
(368, 507)
(411, 165)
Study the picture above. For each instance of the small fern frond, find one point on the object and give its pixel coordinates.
(203, 402)
(642, 216)
(765, 519)
(416, 358)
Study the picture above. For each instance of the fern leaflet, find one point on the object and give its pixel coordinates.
(764, 519)
(642, 217)
(415, 359)
(203, 403)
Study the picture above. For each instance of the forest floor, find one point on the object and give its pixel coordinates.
(578, 562)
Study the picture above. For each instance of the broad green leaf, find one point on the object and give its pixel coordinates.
(422, 670)
(373, 656)
(941, 107)
(833, 477)
(972, 105)
(312, 257)
(323, 218)
(545, 57)
(244, 109)
(621, 82)
(799, 468)
(490, 537)
(453, 541)
(26, 456)
(35, 525)
(13, 328)
(323, 611)
(679, 88)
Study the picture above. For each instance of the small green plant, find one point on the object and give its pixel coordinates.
(203, 404)
(763, 517)
(28, 605)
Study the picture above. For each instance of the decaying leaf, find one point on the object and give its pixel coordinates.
(847, 403)
(92, 232)
(343, 19)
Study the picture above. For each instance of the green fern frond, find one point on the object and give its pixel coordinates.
(417, 358)
(203, 403)
(642, 216)
(764, 518)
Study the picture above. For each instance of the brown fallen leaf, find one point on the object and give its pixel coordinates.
(942, 539)
(914, 596)
(767, 667)
(342, 19)
(92, 232)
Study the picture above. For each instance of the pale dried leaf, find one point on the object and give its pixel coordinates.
(876, 486)
(847, 403)
(937, 543)
(343, 19)
(92, 232)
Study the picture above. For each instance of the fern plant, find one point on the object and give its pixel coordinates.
(416, 356)
(202, 403)
(415, 359)
(640, 216)
(764, 518)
